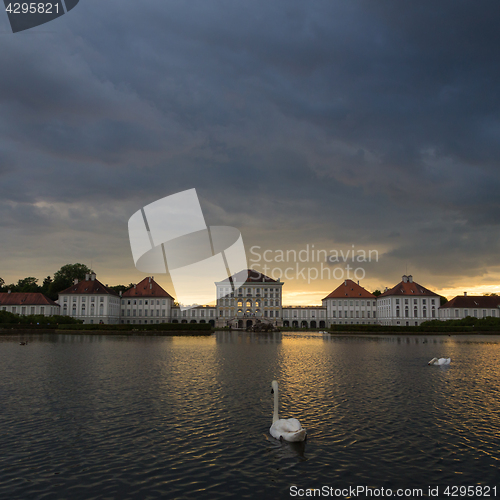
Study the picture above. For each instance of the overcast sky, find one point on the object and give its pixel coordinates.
(329, 123)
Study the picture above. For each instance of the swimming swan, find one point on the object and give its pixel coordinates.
(440, 361)
(288, 429)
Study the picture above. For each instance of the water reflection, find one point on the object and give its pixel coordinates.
(235, 337)
(284, 450)
(189, 417)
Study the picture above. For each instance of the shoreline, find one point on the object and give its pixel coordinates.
(126, 333)
(206, 333)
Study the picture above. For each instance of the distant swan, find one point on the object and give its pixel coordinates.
(440, 361)
(288, 429)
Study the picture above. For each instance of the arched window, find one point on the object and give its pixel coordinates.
(249, 303)
(240, 303)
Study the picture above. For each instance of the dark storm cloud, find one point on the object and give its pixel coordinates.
(356, 121)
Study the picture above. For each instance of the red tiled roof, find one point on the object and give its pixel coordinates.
(88, 287)
(29, 299)
(472, 301)
(249, 276)
(409, 289)
(350, 289)
(147, 288)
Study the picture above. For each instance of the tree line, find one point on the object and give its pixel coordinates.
(51, 287)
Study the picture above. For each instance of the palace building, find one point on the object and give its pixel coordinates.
(28, 303)
(350, 303)
(249, 297)
(246, 297)
(146, 303)
(476, 306)
(90, 301)
(407, 304)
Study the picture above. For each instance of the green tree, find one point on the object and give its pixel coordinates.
(2, 283)
(377, 293)
(66, 276)
(119, 288)
(442, 300)
(46, 285)
(12, 287)
(28, 285)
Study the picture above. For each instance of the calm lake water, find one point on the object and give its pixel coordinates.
(106, 417)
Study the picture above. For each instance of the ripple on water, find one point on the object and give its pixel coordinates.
(189, 418)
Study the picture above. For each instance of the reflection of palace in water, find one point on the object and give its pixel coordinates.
(236, 337)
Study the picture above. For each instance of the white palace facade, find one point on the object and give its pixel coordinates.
(249, 297)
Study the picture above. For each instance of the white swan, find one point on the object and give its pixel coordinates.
(288, 429)
(440, 361)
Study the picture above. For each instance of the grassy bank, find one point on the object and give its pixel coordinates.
(416, 330)
(76, 329)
